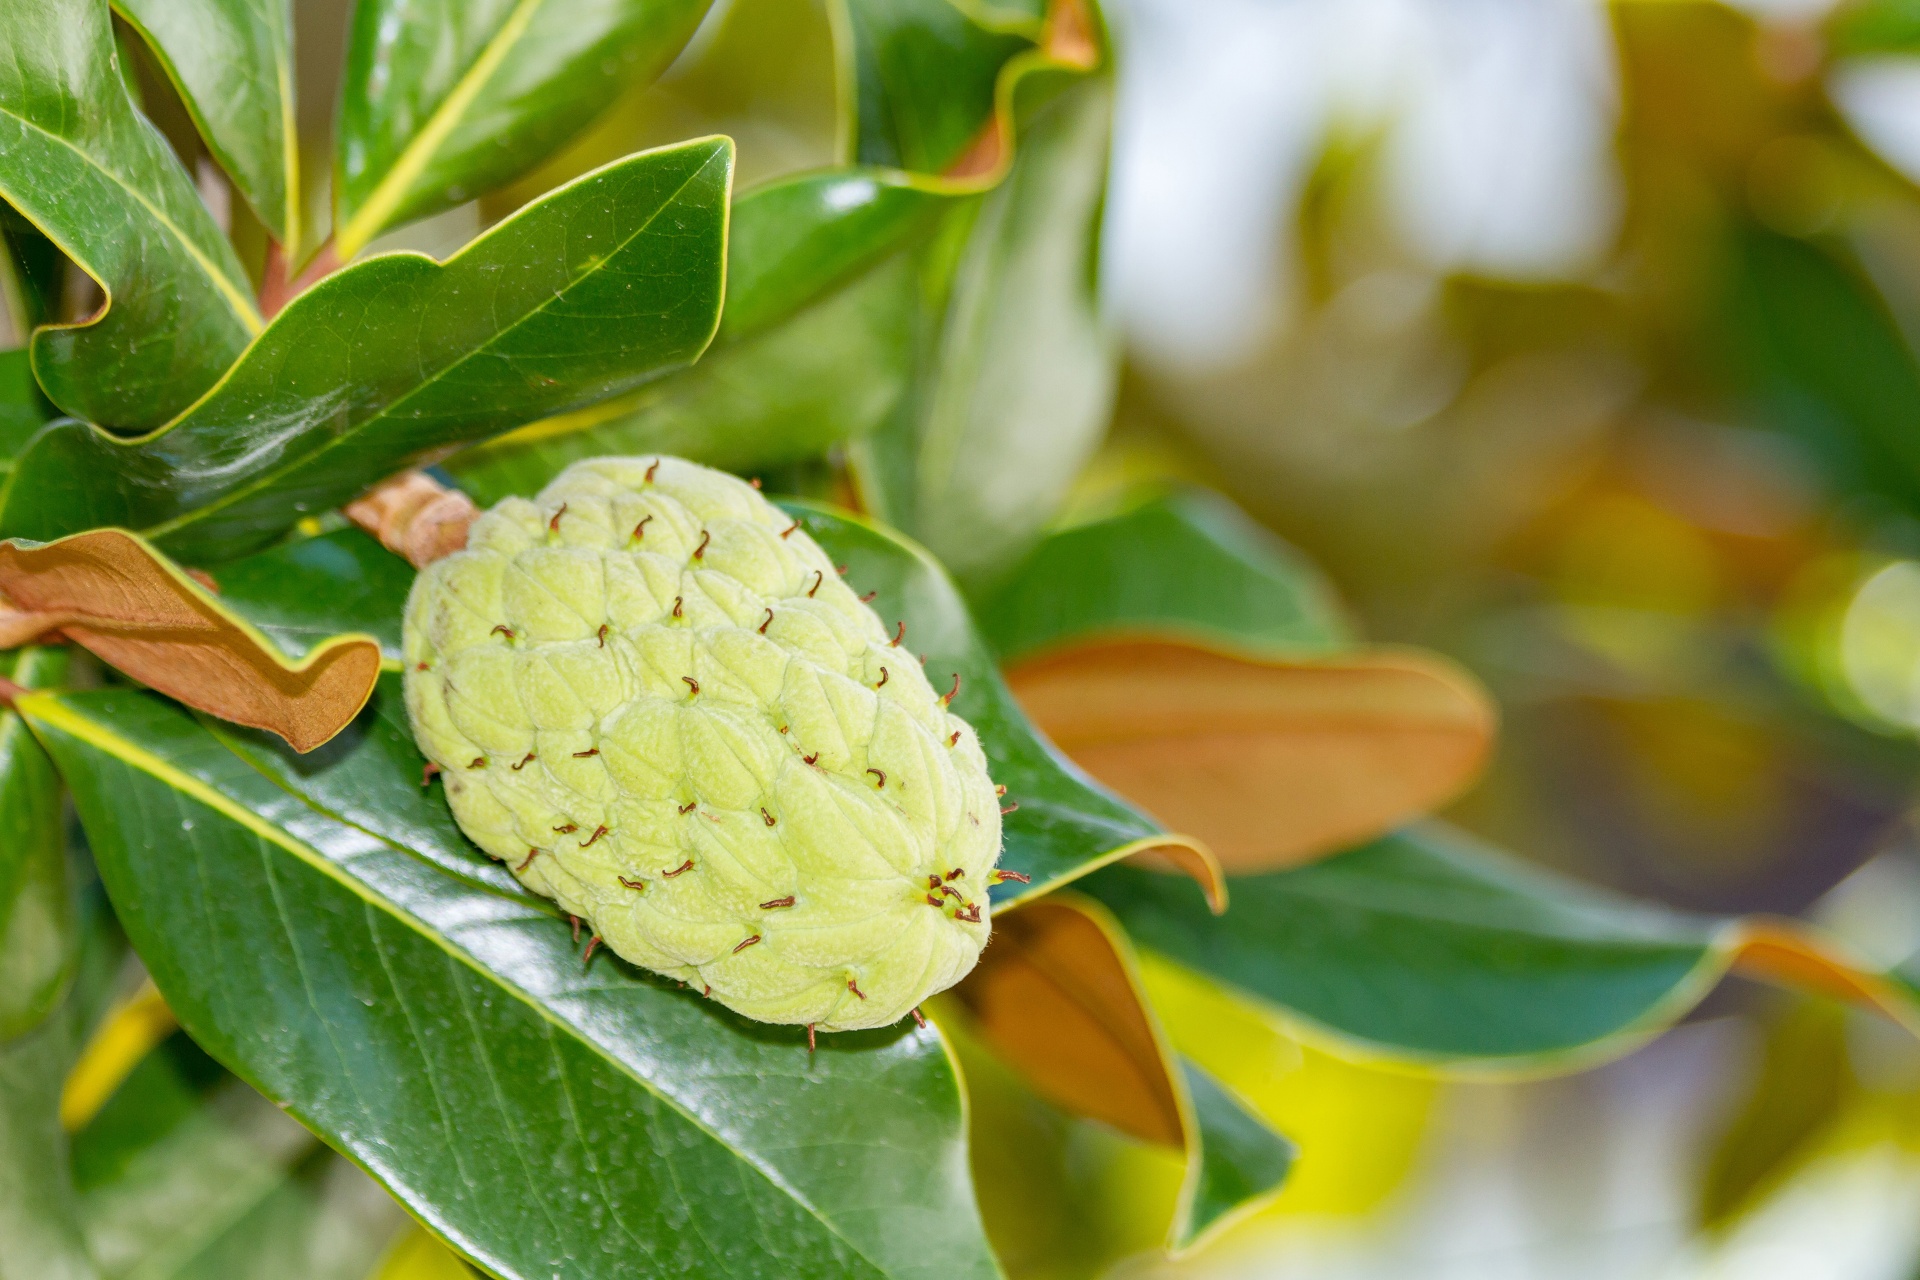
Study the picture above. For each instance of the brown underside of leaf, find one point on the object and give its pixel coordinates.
(415, 517)
(116, 596)
(1192, 859)
(1056, 999)
(1270, 762)
(1788, 954)
(1068, 40)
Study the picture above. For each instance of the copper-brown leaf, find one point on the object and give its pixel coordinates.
(110, 592)
(1054, 997)
(415, 517)
(1270, 761)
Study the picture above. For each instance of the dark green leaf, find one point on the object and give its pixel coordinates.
(582, 295)
(232, 63)
(1066, 824)
(923, 81)
(32, 272)
(1014, 397)
(1186, 561)
(1238, 1162)
(39, 930)
(303, 592)
(39, 1215)
(815, 345)
(441, 102)
(540, 1115)
(834, 370)
(22, 411)
(1429, 945)
(90, 172)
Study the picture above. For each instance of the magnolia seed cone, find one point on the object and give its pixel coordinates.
(650, 693)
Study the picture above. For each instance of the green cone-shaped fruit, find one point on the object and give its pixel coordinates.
(651, 694)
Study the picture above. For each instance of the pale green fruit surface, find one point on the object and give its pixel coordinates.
(650, 694)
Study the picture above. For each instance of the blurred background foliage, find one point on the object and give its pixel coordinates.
(1577, 341)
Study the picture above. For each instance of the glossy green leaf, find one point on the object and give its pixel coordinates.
(816, 343)
(919, 81)
(1066, 824)
(1429, 945)
(1018, 388)
(231, 61)
(834, 294)
(796, 240)
(832, 371)
(22, 410)
(87, 169)
(308, 590)
(40, 1235)
(1238, 1162)
(1185, 561)
(39, 931)
(442, 102)
(598, 287)
(540, 1114)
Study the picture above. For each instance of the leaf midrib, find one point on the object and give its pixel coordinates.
(353, 434)
(418, 153)
(49, 709)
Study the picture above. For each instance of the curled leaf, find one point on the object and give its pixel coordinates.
(115, 595)
(1789, 954)
(1270, 760)
(1058, 995)
(1053, 996)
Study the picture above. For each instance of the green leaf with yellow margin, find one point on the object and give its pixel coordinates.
(590, 291)
(816, 343)
(1429, 946)
(319, 925)
(442, 102)
(231, 61)
(87, 169)
(835, 288)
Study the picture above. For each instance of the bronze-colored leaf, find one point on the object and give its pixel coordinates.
(111, 593)
(1054, 997)
(1792, 955)
(415, 517)
(1271, 761)
(1058, 996)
